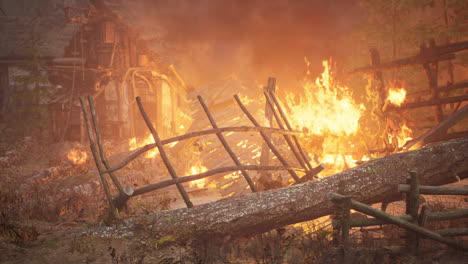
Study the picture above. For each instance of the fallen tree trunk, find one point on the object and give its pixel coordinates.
(373, 182)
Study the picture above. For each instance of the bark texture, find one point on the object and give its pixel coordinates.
(373, 182)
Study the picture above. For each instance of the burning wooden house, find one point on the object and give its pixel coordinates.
(91, 51)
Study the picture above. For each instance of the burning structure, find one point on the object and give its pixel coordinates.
(96, 53)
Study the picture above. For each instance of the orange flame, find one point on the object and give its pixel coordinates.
(196, 169)
(77, 156)
(404, 135)
(396, 96)
(132, 144)
(326, 108)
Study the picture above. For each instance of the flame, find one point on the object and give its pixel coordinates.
(77, 156)
(197, 169)
(396, 96)
(326, 108)
(133, 144)
(404, 134)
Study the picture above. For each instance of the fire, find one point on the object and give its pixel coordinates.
(197, 169)
(405, 134)
(328, 110)
(326, 107)
(77, 156)
(396, 96)
(132, 144)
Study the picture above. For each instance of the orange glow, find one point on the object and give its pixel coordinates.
(327, 110)
(326, 107)
(197, 169)
(405, 134)
(77, 156)
(396, 96)
(132, 144)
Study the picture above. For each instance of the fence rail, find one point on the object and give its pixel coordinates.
(414, 220)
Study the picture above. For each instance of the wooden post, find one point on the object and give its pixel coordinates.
(226, 145)
(341, 222)
(265, 153)
(431, 70)
(82, 129)
(100, 146)
(267, 139)
(412, 207)
(163, 154)
(378, 76)
(97, 161)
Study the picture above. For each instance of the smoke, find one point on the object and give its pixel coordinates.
(210, 39)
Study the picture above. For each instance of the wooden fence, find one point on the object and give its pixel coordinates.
(117, 202)
(413, 221)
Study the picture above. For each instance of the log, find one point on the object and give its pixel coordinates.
(254, 213)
